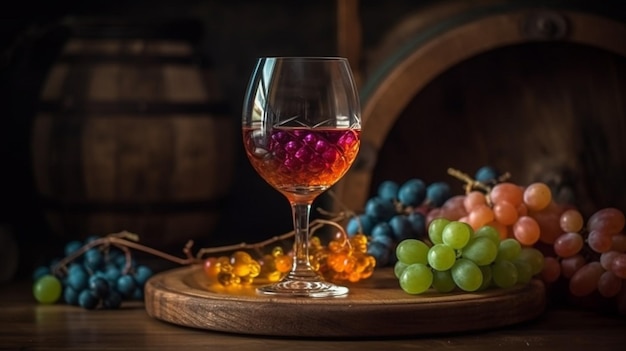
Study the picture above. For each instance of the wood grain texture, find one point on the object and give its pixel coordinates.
(132, 135)
(409, 71)
(185, 297)
(26, 325)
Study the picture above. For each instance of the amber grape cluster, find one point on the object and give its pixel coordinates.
(342, 259)
(587, 256)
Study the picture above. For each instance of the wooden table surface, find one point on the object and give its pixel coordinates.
(26, 325)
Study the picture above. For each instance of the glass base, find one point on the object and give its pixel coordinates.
(303, 286)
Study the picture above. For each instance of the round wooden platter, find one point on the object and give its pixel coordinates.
(374, 307)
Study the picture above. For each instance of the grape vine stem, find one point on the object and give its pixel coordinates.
(125, 240)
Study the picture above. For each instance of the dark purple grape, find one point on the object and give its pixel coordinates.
(70, 295)
(438, 193)
(388, 190)
(87, 300)
(142, 274)
(412, 192)
(380, 208)
(360, 224)
(72, 247)
(126, 285)
(99, 286)
(401, 227)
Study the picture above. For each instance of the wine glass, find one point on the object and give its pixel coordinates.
(301, 132)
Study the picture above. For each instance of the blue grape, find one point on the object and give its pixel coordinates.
(126, 285)
(412, 192)
(437, 193)
(142, 274)
(382, 229)
(137, 294)
(380, 208)
(388, 190)
(360, 224)
(113, 300)
(380, 252)
(70, 295)
(112, 272)
(384, 239)
(98, 286)
(486, 174)
(77, 278)
(87, 300)
(76, 267)
(72, 247)
(418, 223)
(93, 258)
(401, 227)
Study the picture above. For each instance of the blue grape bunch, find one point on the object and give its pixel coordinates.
(397, 212)
(96, 279)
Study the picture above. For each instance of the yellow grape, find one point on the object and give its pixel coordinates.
(510, 192)
(571, 221)
(335, 246)
(224, 265)
(537, 196)
(473, 199)
(479, 216)
(277, 251)
(283, 263)
(359, 243)
(526, 230)
(504, 212)
(211, 267)
(241, 269)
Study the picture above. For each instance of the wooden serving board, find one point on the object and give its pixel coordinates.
(374, 307)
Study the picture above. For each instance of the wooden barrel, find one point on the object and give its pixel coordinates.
(133, 134)
(539, 91)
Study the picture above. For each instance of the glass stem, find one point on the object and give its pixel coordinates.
(301, 268)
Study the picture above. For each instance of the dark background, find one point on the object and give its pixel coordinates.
(234, 34)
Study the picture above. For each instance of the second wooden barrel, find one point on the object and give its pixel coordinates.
(538, 91)
(134, 135)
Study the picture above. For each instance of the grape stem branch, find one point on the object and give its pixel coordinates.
(125, 240)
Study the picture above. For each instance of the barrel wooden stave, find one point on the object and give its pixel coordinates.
(135, 136)
(398, 149)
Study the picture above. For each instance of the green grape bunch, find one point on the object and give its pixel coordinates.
(457, 257)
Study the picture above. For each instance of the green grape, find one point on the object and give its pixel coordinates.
(488, 232)
(534, 257)
(456, 234)
(509, 249)
(467, 275)
(435, 229)
(443, 282)
(504, 274)
(481, 251)
(487, 277)
(416, 278)
(441, 257)
(47, 289)
(524, 271)
(411, 251)
(398, 268)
